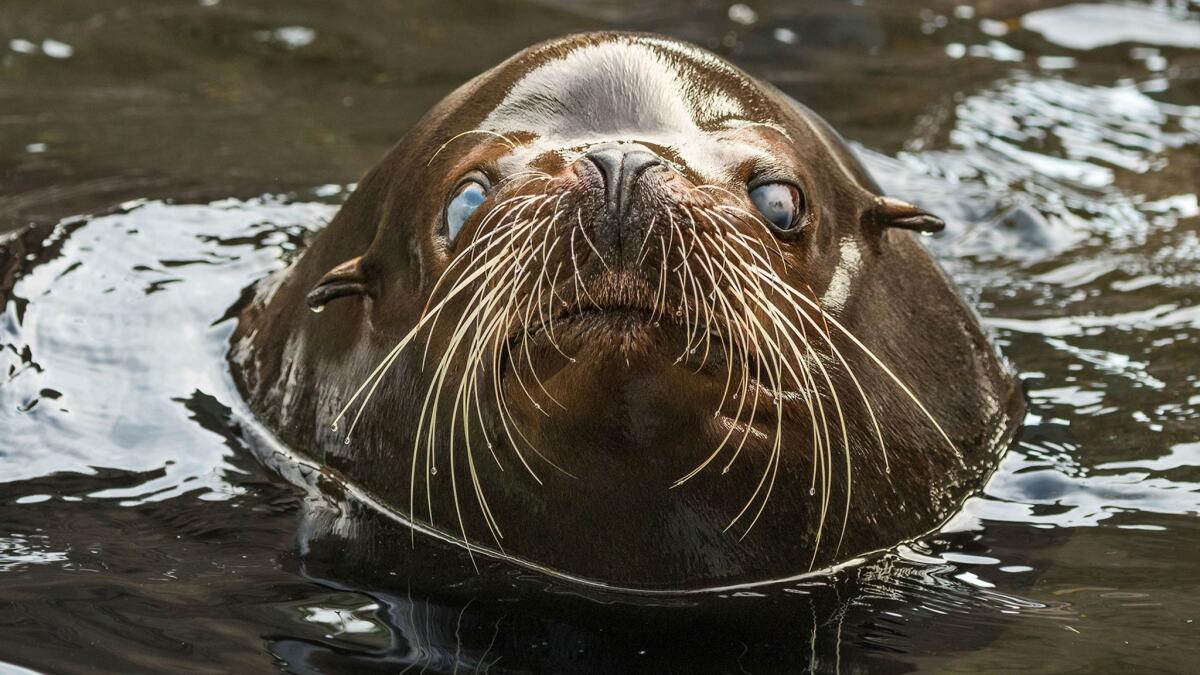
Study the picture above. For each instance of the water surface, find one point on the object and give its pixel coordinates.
(166, 156)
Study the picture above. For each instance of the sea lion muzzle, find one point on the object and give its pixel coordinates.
(621, 166)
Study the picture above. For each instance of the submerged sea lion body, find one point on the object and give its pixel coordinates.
(680, 340)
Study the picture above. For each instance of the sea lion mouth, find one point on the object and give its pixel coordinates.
(611, 302)
(584, 319)
(585, 334)
(614, 300)
(626, 332)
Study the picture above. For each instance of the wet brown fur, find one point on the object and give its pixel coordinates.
(597, 499)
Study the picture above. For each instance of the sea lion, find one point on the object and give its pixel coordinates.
(618, 311)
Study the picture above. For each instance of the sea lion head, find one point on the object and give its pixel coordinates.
(620, 311)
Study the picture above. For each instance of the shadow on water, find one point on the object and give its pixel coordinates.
(144, 528)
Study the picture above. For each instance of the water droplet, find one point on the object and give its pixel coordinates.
(812, 491)
(347, 441)
(490, 446)
(316, 309)
(538, 406)
(887, 469)
(433, 470)
(572, 359)
(333, 427)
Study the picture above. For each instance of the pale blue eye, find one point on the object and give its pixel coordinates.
(468, 198)
(778, 203)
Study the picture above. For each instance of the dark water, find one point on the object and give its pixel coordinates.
(142, 530)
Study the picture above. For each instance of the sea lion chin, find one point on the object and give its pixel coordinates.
(618, 311)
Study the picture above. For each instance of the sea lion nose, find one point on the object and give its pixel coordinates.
(621, 166)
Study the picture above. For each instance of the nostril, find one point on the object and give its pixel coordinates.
(638, 161)
(621, 167)
(609, 163)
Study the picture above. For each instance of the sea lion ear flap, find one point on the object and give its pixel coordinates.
(888, 212)
(345, 279)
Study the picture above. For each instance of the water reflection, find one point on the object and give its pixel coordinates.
(1088, 26)
(140, 530)
(1061, 156)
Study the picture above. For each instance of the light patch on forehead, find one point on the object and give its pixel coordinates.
(612, 90)
(735, 124)
(835, 296)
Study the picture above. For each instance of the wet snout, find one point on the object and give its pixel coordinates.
(623, 168)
